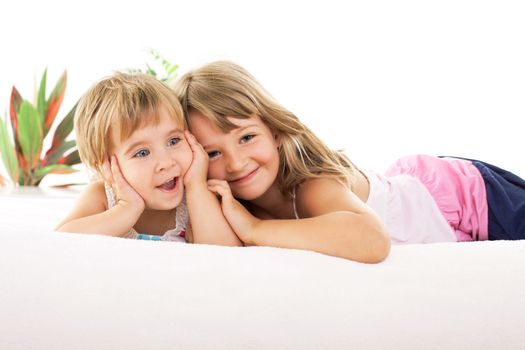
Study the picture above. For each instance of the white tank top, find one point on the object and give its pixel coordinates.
(406, 208)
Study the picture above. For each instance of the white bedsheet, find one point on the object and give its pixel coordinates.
(74, 291)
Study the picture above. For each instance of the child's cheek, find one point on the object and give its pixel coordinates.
(185, 160)
(215, 170)
(132, 174)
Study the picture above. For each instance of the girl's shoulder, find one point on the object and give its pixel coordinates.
(316, 196)
(319, 187)
(360, 186)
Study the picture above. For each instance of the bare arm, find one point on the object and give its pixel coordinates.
(91, 215)
(208, 223)
(336, 223)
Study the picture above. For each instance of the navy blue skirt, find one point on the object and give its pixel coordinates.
(505, 199)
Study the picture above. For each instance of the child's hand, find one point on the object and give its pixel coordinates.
(240, 219)
(126, 195)
(198, 169)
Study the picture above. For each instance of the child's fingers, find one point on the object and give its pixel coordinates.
(215, 182)
(192, 141)
(106, 172)
(115, 171)
(221, 188)
(220, 191)
(124, 191)
(189, 136)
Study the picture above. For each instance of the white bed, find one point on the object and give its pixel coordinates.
(73, 291)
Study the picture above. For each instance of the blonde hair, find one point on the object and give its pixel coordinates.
(223, 89)
(117, 106)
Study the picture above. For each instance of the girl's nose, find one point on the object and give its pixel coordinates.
(235, 163)
(165, 161)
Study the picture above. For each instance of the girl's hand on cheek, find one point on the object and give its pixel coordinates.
(240, 219)
(126, 195)
(197, 172)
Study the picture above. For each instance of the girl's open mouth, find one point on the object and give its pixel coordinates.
(169, 185)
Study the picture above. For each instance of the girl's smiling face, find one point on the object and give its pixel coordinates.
(246, 157)
(153, 160)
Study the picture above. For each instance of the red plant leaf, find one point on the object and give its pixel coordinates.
(14, 106)
(70, 159)
(62, 131)
(54, 102)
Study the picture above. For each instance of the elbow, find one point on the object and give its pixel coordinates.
(376, 244)
(380, 248)
(367, 242)
(374, 249)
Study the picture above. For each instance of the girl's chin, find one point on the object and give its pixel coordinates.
(164, 207)
(173, 201)
(247, 195)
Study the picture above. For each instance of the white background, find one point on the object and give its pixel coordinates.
(380, 79)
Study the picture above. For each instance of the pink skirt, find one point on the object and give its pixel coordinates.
(458, 189)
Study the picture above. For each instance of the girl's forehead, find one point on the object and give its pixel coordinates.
(251, 121)
(163, 119)
(123, 131)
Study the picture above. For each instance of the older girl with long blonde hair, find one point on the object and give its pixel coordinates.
(295, 191)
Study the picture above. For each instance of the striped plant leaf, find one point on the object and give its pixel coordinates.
(71, 159)
(54, 102)
(53, 168)
(41, 98)
(8, 152)
(58, 153)
(29, 134)
(61, 133)
(14, 106)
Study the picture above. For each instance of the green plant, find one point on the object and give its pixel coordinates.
(21, 151)
(168, 70)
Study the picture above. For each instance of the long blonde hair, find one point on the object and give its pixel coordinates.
(116, 106)
(223, 89)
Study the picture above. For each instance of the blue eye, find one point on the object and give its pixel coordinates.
(247, 138)
(173, 141)
(213, 154)
(142, 153)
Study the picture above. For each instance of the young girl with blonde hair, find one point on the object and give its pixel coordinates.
(131, 131)
(297, 193)
(310, 197)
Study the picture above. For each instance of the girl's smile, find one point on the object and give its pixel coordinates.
(242, 180)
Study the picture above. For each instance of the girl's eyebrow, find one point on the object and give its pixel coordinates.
(237, 130)
(241, 129)
(141, 142)
(131, 148)
(174, 131)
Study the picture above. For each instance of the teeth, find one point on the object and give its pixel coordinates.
(169, 185)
